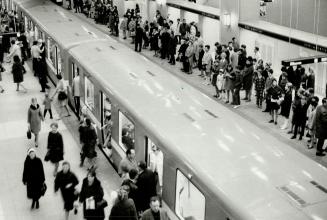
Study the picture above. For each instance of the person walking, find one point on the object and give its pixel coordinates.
(61, 89)
(123, 208)
(34, 118)
(47, 105)
(55, 147)
(320, 126)
(89, 140)
(18, 75)
(66, 181)
(33, 177)
(91, 196)
(139, 32)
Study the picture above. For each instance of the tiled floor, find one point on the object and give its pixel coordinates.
(14, 204)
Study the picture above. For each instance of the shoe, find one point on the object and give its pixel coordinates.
(42, 91)
(36, 145)
(289, 132)
(236, 106)
(275, 122)
(227, 102)
(245, 99)
(51, 117)
(293, 137)
(2, 91)
(215, 96)
(310, 146)
(33, 204)
(266, 110)
(37, 205)
(300, 138)
(81, 165)
(271, 121)
(320, 154)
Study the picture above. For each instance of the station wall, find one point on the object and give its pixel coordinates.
(274, 51)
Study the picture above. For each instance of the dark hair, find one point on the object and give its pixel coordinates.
(311, 90)
(142, 165)
(271, 71)
(12, 41)
(129, 151)
(207, 46)
(91, 172)
(257, 48)
(324, 100)
(16, 59)
(132, 173)
(59, 76)
(35, 42)
(88, 122)
(154, 199)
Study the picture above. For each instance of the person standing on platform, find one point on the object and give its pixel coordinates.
(206, 64)
(14, 50)
(66, 181)
(275, 93)
(123, 26)
(138, 37)
(124, 207)
(248, 79)
(34, 118)
(18, 73)
(165, 37)
(43, 68)
(22, 38)
(286, 105)
(237, 80)
(89, 140)
(172, 48)
(55, 147)
(91, 196)
(320, 126)
(312, 142)
(127, 163)
(76, 93)
(154, 212)
(35, 52)
(229, 85)
(33, 177)
(1, 71)
(269, 82)
(189, 54)
(146, 184)
(259, 88)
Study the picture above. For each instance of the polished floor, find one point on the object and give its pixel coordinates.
(14, 204)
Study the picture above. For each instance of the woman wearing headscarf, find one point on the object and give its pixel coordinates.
(66, 181)
(33, 177)
(34, 118)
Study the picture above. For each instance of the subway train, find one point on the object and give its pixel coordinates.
(216, 164)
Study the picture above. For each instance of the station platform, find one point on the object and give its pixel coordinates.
(247, 110)
(14, 144)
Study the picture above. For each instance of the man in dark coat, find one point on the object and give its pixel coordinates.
(300, 117)
(146, 184)
(237, 80)
(138, 37)
(172, 48)
(183, 28)
(248, 79)
(320, 126)
(131, 183)
(297, 77)
(154, 212)
(241, 58)
(165, 36)
(33, 177)
(89, 140)
(66, 181)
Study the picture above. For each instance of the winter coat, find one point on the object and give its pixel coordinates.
(55, 147)
(300, 113)
(123, 209)
(88, 191)
(132, 190)
(229, 84)
(320, 122)
(248, 77)
(34, 118)
(17, 71)
(147, 215)
(172, 45)
(68, 194)
(33, 177)
(259, 84)
(286, 104)
(89, 139)
(146, 184)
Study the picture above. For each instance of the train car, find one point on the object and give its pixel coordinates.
(216, 165)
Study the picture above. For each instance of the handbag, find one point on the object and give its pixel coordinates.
(29, 134)
(43, 189)
(62, 96)
(102, 204)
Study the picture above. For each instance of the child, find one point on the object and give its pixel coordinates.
(220, 83)
(47, 105)
(259, 87)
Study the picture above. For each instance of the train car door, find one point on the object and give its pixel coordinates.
(106, 123)
(154, 159)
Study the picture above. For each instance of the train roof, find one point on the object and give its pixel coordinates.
(65, 28)
(245, 166)
(255, 175)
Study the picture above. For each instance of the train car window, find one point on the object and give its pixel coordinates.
(26, 23)
(89, 94)
(106, 122)
(58, 59)
(155, 160)
(126, 132)
(190, 202)
(36, 33)
(75, 70)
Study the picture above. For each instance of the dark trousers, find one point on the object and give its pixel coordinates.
(299, 125)
(236, 96)
(248, 94)
(164, 52)
(45, 113)
(77, 102)
(320, 144)
(259, 95)
(268, 103)
(43, 83)
(172, 58)
(186, 65)
(138, 45)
